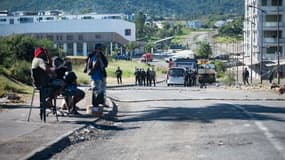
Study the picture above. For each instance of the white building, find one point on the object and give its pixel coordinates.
(262, 41)
(194, 24)
(75, 34)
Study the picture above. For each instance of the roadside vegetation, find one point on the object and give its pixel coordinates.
(16, 54)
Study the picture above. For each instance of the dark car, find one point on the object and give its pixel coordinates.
(222, 57)
(122, 57)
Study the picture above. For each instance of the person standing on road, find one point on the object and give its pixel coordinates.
(245, 75)
(98, 76)
(270, 78)
(119, 73)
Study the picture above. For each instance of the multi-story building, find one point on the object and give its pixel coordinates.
(264, 35)
(74, 34)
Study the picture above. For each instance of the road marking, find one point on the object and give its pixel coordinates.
(269, 136)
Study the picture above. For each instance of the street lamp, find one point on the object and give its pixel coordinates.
(261, 50)
(278, 46)
(251, 47)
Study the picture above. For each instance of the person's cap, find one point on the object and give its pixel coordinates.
(38, 51)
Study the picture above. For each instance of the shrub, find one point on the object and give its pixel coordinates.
(21, 71)
(229, 78)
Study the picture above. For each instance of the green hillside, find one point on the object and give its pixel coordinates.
(174, 8)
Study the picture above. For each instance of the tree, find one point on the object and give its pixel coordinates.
(140, 21)
(148, 47)
(204, 50)
(233, 28)
(131, 46)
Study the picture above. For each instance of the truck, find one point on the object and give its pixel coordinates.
(206, 72)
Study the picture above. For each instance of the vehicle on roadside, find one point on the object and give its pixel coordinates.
(175, 76)
(122, 57)
(147, 57)
(206, 73)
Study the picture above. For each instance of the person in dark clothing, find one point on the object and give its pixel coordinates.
(148, 78)
(152, 77)
(119, 73)
(137, 76)
(143, 77)
(70, 79)
(245, 75)
(270, 78)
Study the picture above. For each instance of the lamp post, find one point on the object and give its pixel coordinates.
(251, 47)
(261, 48)
(278, 46)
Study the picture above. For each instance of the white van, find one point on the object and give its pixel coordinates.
(175, 76)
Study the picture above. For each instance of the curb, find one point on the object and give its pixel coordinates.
(56, 145)
(45, 151)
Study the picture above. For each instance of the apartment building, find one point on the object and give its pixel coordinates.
(264, 35)
(76, 35)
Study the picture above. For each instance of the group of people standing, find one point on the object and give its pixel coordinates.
(145, 78)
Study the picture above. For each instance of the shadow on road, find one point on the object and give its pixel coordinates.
(205, 115)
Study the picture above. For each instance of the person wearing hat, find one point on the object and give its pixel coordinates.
(43, 76)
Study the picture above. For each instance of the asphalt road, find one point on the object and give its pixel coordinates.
(189, 123)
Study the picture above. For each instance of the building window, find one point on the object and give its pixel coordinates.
(80, 37)
(69, 37)
(79, 49)
(90, 47)
(271, 50)
(69, 49)
(276, 2)
(264, 2)
(59, 37)
(59, 46)
(3, 20)
(49, 37)
(127, 32)
(97, 36)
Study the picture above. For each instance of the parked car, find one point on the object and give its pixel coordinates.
(175, 76)
(147, 57)
(122, 57)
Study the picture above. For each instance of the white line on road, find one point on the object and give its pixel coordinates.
(269, 136)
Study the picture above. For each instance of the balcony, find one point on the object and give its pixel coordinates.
(272, 25)
(273, 9)
(273, 40)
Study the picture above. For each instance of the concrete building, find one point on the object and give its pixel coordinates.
(74, 34)
(264, 36)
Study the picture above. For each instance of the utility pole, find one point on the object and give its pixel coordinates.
(261, 48)
(278, 45)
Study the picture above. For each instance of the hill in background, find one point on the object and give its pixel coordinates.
(180, 9)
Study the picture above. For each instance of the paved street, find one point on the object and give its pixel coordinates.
(189, 123)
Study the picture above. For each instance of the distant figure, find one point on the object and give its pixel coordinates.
(170, 63)
(245, 75)
(270, 78)
(119, 73)
(152, 76)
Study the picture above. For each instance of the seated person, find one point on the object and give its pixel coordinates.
(70, 79)
(44, 75)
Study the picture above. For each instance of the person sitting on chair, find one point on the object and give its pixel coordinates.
(43, 76)
(70, 79)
